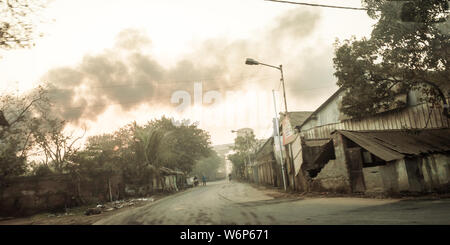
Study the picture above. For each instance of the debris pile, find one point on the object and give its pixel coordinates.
(60, 215)
(107, 207)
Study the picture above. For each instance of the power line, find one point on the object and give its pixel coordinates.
(319, 5)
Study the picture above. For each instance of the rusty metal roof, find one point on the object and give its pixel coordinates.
(297, 117)
(396, 144)
(316, 142)
(169, 171)
(265, 149)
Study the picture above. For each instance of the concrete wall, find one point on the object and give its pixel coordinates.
(390, 178)
(420, 174)
(427, 174)
(402, 175)
(170, 182)
(24, 196)
(373, 178)
(334, 176)
(30, 195)
(436, 172)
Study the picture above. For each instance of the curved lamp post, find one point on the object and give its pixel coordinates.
(250, 61)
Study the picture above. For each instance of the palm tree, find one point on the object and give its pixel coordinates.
(152, 145)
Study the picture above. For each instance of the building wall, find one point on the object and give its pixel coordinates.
(328, 114)
(30, 195)
(427, 174)
(390, 178)
(416, 115)
(396, 176)
(402, 175)
(420, 174)
(373, 178)
(415, 177)
(24, 196)
(334, 176)
(265, 171)
(436, 172)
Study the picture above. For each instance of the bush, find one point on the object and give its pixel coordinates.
(42, 170)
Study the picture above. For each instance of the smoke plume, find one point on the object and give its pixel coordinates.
(127, 77)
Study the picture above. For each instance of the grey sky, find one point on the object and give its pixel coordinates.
(113, 62)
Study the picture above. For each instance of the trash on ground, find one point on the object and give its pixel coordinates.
(92, 211)
(107, 207)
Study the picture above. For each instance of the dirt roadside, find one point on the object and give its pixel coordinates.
(280, 193)
(76, 216)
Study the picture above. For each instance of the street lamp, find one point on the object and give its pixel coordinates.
(250, 61)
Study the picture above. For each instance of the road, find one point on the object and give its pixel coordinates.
(225, 203)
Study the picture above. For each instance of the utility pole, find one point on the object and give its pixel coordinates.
(250, 61)
(284, 90)
(279, 139)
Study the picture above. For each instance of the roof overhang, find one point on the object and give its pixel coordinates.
(392, 145)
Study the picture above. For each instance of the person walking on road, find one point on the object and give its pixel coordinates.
(204, 180)
(195, 181)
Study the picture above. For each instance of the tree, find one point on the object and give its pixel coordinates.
(150, 150)
(245, 148)
(398, 57)
(30, 128)
(16, 134)
(100, 159)
(238, 160)
(56, 144)
(186, 142)
(16, 22)
(208, 166)
(138, 151)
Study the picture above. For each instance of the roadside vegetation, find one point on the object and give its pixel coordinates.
(244, 148)
(31, 131)
(409, 49)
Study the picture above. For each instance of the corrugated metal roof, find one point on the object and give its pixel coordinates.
(396, 144)
(297, 117)
(267, 147)
(169, 171)
(316, 142)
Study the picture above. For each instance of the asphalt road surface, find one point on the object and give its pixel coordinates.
(229, 203)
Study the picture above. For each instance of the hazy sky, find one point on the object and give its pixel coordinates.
(111, 62)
